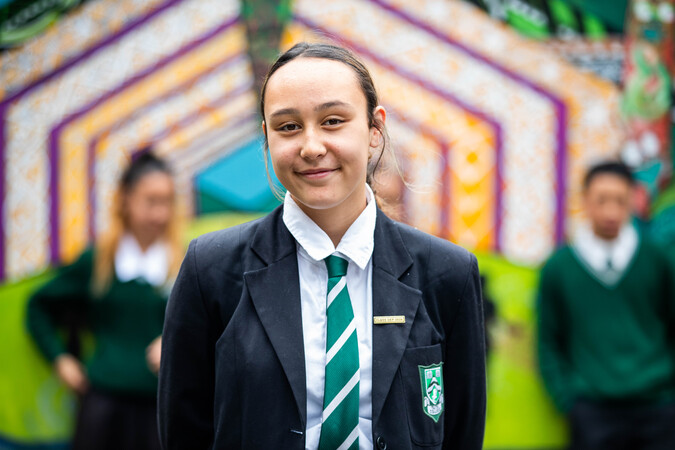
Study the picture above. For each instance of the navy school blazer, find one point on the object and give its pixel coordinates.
(233, 365)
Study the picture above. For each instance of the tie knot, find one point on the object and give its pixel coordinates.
(337, 267)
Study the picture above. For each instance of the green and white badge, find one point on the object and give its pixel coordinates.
(432, 390)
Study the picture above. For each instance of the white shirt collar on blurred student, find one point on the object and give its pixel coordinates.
(607, 259)
(132, 263)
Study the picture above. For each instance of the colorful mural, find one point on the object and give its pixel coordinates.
(20, 20)
(646, 102)
(504, 128)
(492, 131)
(113, 77)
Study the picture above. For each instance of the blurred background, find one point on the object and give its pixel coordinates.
(495, 109)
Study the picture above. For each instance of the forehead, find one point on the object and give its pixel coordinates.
(313, 80)
(151, 179)
(604, 182)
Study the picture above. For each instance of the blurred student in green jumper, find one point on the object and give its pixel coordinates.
(120, 287)
(606, 320)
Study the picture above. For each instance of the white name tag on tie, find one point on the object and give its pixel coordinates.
(385, 320)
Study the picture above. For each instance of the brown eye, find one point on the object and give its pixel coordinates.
(333, 121)
(289, 127)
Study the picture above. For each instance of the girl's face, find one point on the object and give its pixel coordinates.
(148, 206)
(316, 124)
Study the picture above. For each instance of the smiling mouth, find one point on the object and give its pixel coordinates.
(316, 173)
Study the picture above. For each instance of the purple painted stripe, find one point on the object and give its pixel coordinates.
(14, 97)
(561, 175)
(428, 86)
(92, 148)
(108, 40)
(56, 131)
(444, 151)
(558, 105)
(415, 124)
(190, 119)
(167, 131)
(445, 192)
(238, 123)
(93, 143)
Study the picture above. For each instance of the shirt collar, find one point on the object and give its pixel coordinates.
(356, 244)
(597, 251)
(132, 263)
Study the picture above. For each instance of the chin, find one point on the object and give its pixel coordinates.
(314, 202)
(609, 234)
(320, 205)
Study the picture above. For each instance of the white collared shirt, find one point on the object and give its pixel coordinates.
(313, 245)
(131, 262)
(607, 260)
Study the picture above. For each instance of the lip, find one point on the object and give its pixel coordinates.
(314, 174)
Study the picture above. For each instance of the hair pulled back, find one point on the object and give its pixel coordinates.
(345, 56)
(143, 162)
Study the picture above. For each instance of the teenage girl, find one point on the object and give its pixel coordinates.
(324, 324)
(121, 287)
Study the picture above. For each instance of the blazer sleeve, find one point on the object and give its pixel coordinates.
(186, 376)
(465, 384)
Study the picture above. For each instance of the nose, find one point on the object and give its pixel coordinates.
(160, 214)
(312, 146)
(614, 211)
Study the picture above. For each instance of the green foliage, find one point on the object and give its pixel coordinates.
(212, 222)
(35, 406)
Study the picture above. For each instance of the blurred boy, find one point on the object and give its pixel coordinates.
(605, 315)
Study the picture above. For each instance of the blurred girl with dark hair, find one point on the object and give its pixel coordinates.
(120, 287)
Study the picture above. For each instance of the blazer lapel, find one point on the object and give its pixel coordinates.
(391, 297)
(275, 292)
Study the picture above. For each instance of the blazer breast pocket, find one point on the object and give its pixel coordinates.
(421, 373)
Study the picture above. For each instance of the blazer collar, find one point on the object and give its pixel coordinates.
(272, 241)
(391, 297)
(277, 303)
(276, 299)
(390, 253)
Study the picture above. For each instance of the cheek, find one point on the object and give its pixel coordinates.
(164, 210)
(281, 160)
(360, 159)
(354, 151)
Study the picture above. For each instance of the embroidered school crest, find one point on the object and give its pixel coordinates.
(432, 390)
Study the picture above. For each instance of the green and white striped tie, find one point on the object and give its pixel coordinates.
(340, 428)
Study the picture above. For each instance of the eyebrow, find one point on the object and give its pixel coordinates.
(321, 107)
(327, 105)
(284, 112)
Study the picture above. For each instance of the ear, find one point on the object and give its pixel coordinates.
(379, 115)
(264, 128)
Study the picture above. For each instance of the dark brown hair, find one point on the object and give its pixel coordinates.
(615, 168)
(143, 163)
(340, 54)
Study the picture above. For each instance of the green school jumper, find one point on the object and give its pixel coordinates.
(607, 342)
(123, 322)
